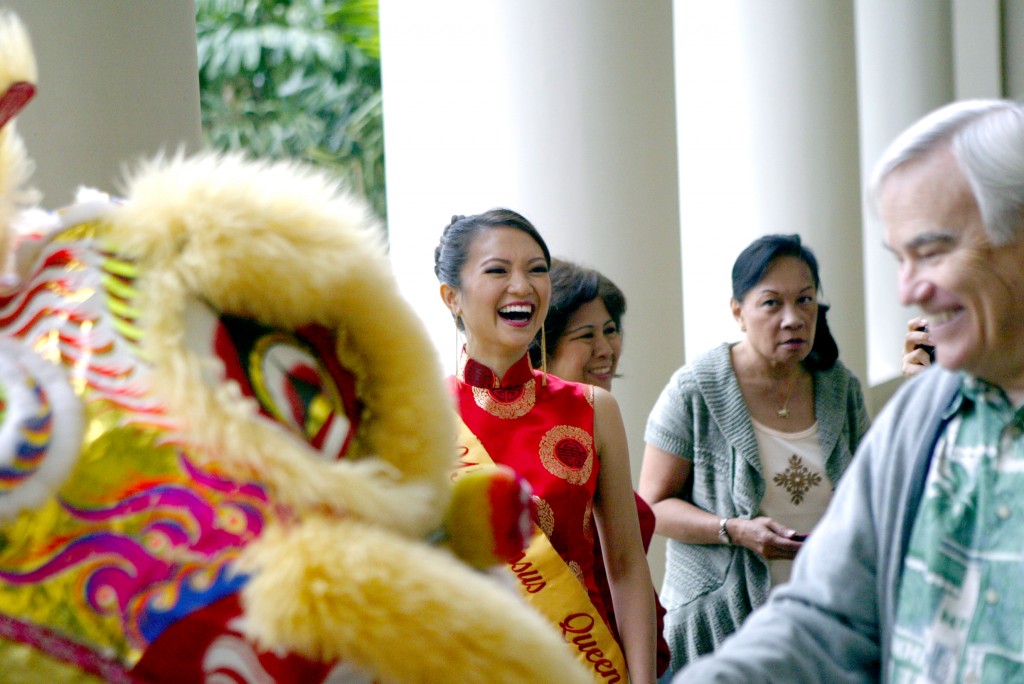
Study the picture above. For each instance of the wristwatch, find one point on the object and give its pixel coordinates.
(723, 532)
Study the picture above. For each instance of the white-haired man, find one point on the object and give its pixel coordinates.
(916, 573)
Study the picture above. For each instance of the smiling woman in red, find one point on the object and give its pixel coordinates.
(744, 447)
(566, 439)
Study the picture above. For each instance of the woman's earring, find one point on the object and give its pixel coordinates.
(544, 355)
(458, 347)
(743, 328)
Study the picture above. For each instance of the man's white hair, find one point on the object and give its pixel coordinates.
(986, 138)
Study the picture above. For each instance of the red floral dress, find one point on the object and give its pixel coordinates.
(544, 430)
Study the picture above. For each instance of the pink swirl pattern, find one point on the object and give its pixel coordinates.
(141, 535)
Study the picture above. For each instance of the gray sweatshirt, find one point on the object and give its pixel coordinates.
(833, 621)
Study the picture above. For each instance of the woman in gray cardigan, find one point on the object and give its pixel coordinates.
(745, 446)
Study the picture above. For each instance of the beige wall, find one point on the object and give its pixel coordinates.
(117, 82)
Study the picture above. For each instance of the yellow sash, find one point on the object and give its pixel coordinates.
(552, 588)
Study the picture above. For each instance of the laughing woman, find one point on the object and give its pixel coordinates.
(566, 439)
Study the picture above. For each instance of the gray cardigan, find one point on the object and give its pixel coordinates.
(701, 416)
(833, 621)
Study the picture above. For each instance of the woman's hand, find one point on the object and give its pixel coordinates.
(916, 359)
(765, 537)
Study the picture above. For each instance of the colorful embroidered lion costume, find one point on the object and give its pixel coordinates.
(224, 440)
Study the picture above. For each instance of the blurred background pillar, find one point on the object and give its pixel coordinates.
(906, 64)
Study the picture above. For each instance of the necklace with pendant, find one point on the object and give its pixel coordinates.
(784, 411)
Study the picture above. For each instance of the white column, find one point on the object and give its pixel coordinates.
(118, 81)
(562, 111)
(767, 122)
(716, 164)
(978, 48)
(905, 61)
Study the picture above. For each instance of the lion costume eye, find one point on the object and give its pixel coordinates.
(294, 388)
(294, 376)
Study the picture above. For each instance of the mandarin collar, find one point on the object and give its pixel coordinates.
(478, 375)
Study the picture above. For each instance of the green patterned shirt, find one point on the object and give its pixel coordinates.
(960, 616)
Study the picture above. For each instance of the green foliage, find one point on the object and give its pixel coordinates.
(295, 79)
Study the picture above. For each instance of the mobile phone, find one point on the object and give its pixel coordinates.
(929, 349)
(799, 537)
